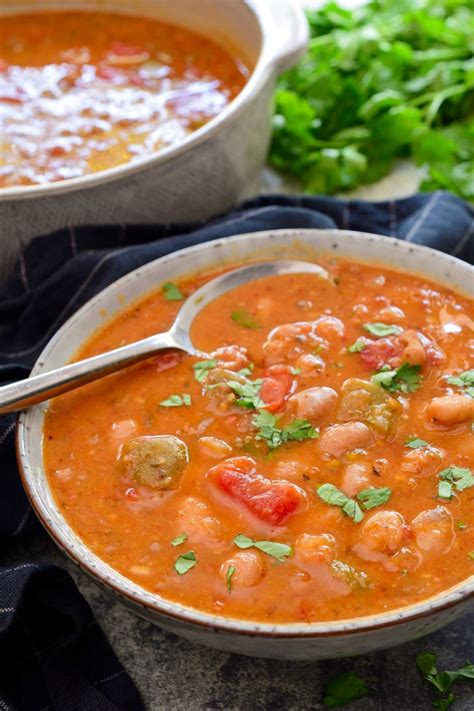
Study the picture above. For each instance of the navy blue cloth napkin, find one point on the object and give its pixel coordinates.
(53, 655)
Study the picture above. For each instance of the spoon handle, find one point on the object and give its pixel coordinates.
(20, 395)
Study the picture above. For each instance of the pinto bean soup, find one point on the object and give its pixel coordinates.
(85, 91)
(317, 466)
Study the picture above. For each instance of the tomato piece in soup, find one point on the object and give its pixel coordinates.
(270, 501)
(378, 353)
(276, 387)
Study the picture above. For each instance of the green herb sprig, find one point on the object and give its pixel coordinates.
(459, 478)
(185, 562)
(381, 330)
(464, 380)
(342, 689)
(442, 681)
(369, 498)
(275, 436)
(171, 292)
(405, 379)
(243, 318)
(177, 401)
(280, 551)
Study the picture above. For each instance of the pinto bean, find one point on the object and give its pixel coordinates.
(213, 447)
(319, 548)
(290, 340)
(340, 439)
(382, 532)
(309, 363)
(434, 530)
(450, 409)
(231, 357)
(329, 327)
(423, 461)
(249, 569)
(356, 478)
(195, 520)
(314, 404)
(413, 350)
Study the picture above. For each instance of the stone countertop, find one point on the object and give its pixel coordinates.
(173, 674)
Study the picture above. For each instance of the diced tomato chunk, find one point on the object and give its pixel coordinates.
(165, 361)
(378, 353)
(270, 501)
(277, 385)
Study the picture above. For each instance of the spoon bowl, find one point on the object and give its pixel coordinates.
(24, 393)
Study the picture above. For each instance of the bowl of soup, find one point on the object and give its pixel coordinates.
(304, 489)
(139, 111)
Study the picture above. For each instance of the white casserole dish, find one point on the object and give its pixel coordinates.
(284, 641)
(203, 175)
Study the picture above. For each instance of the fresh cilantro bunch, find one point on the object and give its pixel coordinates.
(380, 82)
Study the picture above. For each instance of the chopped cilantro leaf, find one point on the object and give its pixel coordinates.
(374, 496)
(243, 318)
(382, 329)
(202, 368)
(177, 401)
(464, 380)
(179, 539)
(243, 541)
(358, 345)
(245, 372)
(230, 571)
(471, 555)
(185, 562)
(248, 393)
(352, 509)
(444, 703)
(460, 477)
(405, 379)
(342, 689)
(331, 495)
(442, 681)
(445, 490)
(280, 551)
(274, 436)
(416, 443)
(171, 292)
(295, 371)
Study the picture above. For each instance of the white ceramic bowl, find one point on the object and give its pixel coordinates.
(288, 641)
(201, 176)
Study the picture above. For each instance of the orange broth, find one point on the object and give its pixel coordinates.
(86, 91)
(408, 544)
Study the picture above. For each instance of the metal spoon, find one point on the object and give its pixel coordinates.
(23, 394)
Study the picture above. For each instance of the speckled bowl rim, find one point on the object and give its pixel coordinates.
(270, 58)
(129, 591)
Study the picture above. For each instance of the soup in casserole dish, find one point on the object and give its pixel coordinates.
(81, 92)
(317, 466)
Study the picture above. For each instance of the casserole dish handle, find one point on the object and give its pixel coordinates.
(288, 32)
